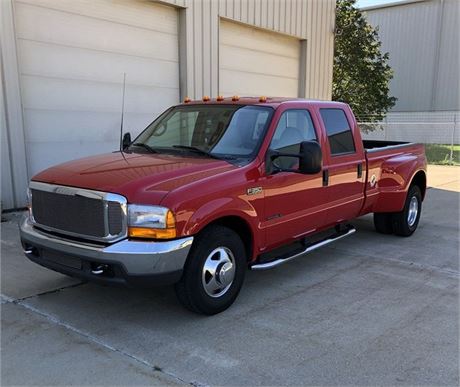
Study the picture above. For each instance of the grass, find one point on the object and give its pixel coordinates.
(440, 154)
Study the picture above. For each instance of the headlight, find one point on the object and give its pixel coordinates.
(154, 222)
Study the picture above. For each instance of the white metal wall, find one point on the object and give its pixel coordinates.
(312, 20)
(423, 41)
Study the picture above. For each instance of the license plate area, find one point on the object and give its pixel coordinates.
(62, 259)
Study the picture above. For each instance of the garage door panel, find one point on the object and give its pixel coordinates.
(63, 126)
(49, 60)
(248, 84)
(248, 37)
(258, 61)
(72, 66)
(64, 94)
(134, 13)
(34, 24)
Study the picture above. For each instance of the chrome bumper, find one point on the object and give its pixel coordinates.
(137, 258)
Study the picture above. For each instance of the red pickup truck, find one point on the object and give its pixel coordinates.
(213, 187)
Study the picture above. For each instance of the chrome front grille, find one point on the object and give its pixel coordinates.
(87, 214)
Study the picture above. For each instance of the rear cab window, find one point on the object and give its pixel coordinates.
(338, 131)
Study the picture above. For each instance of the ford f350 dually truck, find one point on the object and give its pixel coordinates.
(215, 186)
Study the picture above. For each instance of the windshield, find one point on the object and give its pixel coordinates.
(220, 131)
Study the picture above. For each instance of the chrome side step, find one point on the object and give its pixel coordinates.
(270, 265)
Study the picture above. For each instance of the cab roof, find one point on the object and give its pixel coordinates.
(250, 100)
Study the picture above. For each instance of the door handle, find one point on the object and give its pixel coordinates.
(360, 170)
(325, 177)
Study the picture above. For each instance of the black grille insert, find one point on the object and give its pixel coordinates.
(76, 214)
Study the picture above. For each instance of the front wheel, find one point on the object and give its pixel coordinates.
(214, 271)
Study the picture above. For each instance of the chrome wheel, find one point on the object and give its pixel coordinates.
(218, 272)
(413, 211)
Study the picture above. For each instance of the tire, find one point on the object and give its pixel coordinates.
(406, 221)
(214, 271)
(383, 222)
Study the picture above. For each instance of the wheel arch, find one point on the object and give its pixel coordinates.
(419, 180)
(241, 227)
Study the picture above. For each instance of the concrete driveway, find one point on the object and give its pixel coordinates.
(371, 310)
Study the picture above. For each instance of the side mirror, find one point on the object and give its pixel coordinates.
(126, 140)
(310, 159)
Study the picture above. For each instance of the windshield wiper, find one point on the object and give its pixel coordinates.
(197, 150)
(145, 146)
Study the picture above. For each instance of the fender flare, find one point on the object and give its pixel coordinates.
(225, 207)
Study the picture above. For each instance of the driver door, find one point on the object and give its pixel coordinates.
(295, 203)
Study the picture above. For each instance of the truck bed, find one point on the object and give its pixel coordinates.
(377, 145)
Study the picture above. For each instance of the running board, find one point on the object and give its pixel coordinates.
(270, 265)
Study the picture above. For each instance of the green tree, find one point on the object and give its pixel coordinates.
(361, 74)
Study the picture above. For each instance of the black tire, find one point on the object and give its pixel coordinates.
(191, 291)
(401, 224)
(383, 222)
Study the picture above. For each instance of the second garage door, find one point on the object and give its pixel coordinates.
(72, 56)
(257, 62)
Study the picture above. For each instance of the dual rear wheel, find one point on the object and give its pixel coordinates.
(402, 223)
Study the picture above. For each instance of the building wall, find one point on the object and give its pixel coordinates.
(422, 38)
(310, 21)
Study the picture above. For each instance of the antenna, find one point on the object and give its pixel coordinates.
(122, 112)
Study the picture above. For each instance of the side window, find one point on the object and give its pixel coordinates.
(294, 127)
(338, 131)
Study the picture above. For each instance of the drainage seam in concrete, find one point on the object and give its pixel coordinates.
(90, 337)
(57, 290)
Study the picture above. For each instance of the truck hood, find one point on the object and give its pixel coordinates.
(141, 178)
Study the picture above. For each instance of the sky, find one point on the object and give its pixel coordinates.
(368, 3)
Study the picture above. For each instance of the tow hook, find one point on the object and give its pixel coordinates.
(99, 269)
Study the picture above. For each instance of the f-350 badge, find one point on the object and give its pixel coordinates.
(254, 190)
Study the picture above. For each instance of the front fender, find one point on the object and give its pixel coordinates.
(217, 209)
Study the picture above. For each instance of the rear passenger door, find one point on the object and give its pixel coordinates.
(345, 166)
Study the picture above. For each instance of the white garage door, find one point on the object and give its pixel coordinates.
(257, 62)
(72, 56)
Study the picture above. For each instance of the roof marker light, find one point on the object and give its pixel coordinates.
(206, 98)
(220, 98)
(187, 100)
(235, 98)
(263, 99)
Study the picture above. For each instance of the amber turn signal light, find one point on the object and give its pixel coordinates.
(151, 233)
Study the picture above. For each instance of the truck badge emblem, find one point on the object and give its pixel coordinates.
(373, 180)
(254, 190)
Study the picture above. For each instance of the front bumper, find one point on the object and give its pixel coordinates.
(127, 262)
